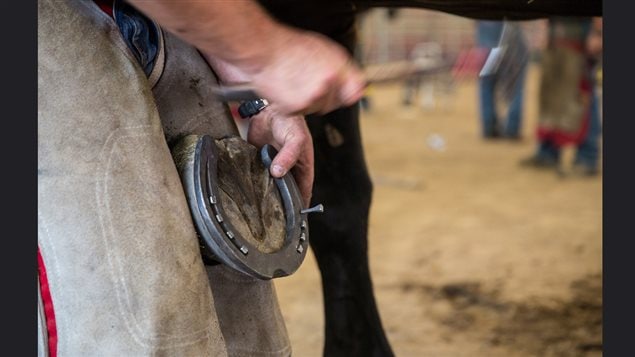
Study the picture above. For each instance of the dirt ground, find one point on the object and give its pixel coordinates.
(471, 254)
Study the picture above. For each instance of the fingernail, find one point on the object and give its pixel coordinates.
(278, 171)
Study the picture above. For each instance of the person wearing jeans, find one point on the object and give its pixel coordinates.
(488, 36)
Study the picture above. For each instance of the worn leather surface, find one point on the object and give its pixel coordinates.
(114, 230)
(183, 96)
(247, 309)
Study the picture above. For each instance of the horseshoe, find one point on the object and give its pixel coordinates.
(196, 157)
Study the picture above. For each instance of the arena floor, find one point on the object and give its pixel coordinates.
(471, 254)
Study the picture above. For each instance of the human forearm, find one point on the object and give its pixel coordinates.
(298, 71)
(238, 31)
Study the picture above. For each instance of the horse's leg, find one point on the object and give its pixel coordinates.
(339, 237)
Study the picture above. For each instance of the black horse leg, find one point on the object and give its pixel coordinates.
(339, 237)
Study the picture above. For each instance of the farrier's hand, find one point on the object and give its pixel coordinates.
(303, 73)
(309, 73)
(299, 72)
(291, 137)
(289, 134)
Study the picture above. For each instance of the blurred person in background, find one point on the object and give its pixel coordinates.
(488, 35)
(569, 108)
